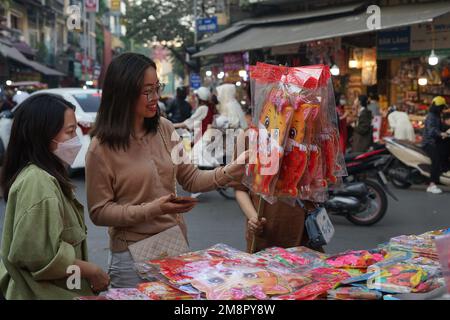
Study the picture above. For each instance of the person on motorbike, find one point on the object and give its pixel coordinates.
(433, 136)
(179, 109)
(229, 107)
(203, 114)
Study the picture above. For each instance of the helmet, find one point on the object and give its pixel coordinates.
(203, 93)
(439, 101)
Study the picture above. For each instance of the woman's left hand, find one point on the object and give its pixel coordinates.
(256, 226)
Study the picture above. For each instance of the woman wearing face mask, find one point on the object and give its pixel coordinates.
(44, 232)
(343, 115)
(130, 172)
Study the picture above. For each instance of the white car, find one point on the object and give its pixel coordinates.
(86, 101)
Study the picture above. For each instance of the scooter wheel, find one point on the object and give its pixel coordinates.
(375, 209)
(400, 185)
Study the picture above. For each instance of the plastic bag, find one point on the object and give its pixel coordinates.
(322, 280)
(161, 291)
(401, 278)
(182, 269)
(125, 294)
(294, 120)
(239, 282)
(355, 259)
(271, 130)
(354, 293)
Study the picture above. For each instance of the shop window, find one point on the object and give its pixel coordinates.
(15, 22)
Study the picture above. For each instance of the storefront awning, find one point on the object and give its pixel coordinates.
(14, 54)
(259, 37)
(238, 26)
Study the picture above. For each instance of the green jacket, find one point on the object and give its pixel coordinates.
(43, 233)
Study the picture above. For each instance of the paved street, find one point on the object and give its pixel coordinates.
(217, 220)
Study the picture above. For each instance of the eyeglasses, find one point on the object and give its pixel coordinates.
(157, 89)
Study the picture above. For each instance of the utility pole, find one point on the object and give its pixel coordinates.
(85, 44)
(195, 22)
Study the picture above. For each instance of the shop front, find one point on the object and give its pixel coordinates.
(417, 57)
(404, 63)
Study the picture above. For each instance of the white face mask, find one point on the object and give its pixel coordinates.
(68, 150)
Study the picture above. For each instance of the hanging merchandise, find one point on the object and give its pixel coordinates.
(369, 67)
(294, 135)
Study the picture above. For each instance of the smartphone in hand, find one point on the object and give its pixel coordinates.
(184, 200)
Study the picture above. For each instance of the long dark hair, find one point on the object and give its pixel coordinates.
(121, 90)
(36, 123)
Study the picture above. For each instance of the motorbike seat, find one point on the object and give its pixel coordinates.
(413, 146)
(352, 155)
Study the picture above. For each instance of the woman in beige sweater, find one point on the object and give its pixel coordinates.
(130, 175)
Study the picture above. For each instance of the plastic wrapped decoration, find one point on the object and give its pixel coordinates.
(180, 270)
(296, 104)
(356, 259)
(326, 163)
(322, 280)
(240, 282)
(401, 278)
(354, 293)
(272, 113)
(161, 291)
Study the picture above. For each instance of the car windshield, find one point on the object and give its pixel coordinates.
(89, 102)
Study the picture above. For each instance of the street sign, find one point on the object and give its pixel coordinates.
(195, 81)
(206, 25)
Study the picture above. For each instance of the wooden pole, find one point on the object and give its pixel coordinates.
(260, 215)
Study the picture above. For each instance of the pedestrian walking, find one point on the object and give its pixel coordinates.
(362, 133)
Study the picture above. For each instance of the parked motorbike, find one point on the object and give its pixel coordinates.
(362, 203)
(362, 198)
(409, 164)
(370, 165)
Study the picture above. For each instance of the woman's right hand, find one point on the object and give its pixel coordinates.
(169, 207)
(98, 279)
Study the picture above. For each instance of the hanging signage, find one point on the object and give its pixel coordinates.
(91, 5)
(195, 81)
(115, 6)
(207, 25)
(286, 50)
(394, 40)
(422, 34)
